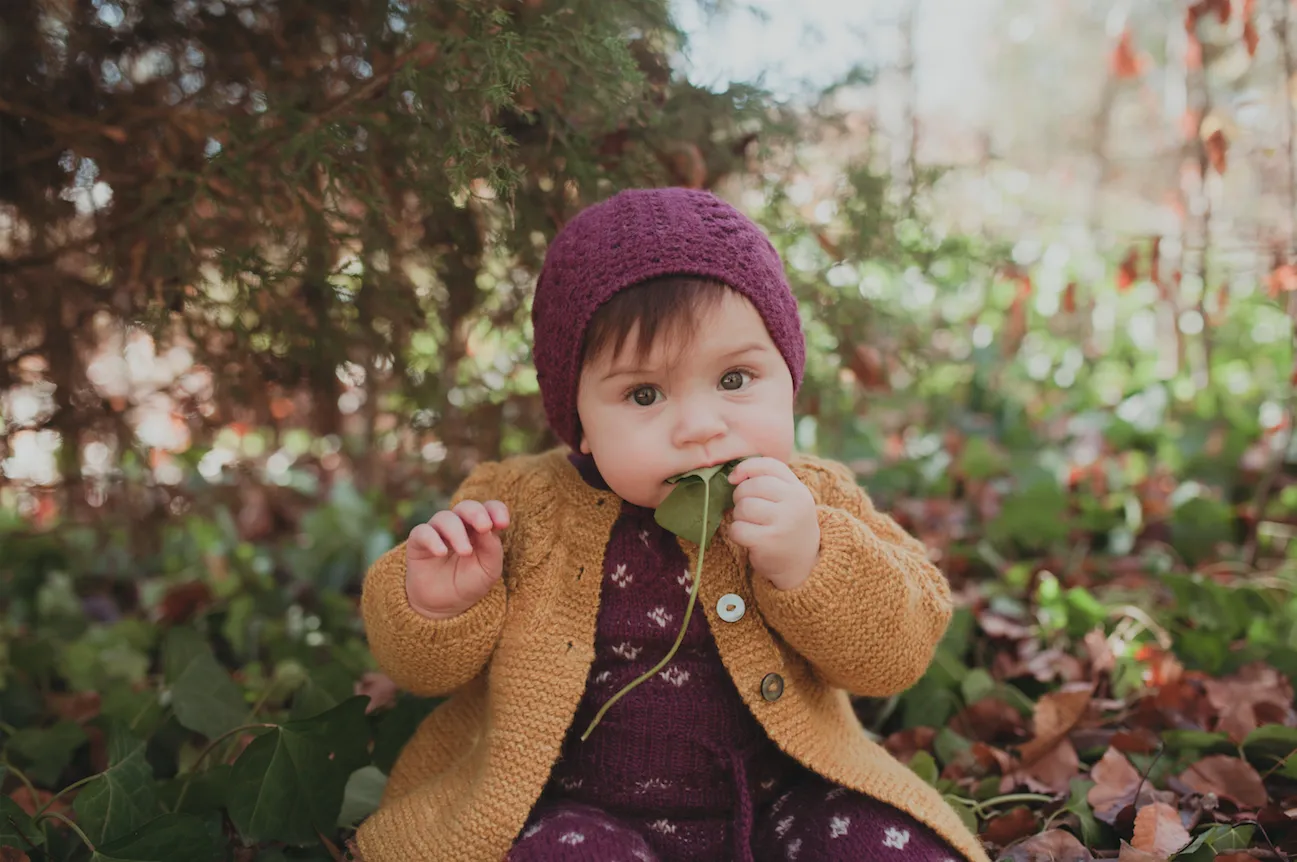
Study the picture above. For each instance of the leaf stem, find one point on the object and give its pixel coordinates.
(980, 807)
(193, 769)
(73, 786)
(684, 626)
(75, 828)
(22, 776)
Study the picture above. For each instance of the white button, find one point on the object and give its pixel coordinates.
(730, 608)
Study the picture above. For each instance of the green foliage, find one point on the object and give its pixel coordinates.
(697, 502)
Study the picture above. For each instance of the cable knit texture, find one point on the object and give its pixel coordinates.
(867, 620)
(636, 235)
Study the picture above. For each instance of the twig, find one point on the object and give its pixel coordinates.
(66, 125)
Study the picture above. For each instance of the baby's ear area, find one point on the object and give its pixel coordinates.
(584, 447)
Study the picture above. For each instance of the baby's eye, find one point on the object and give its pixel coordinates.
(644, 396)
(732, 380)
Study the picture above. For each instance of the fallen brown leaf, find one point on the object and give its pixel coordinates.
(1227, 777)
(1158, 830)
(1053, 845)
(1134, 854)
(998, 626)
(1138, 741)
(1116, 783)
(904, 744)
(1010, 826)
(23, 797)
(1056, 714)
(1054, 772)
(1101, 658)
(81, 706)
(988, 719)
(1256, 688)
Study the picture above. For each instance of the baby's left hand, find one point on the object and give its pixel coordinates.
(774, 518)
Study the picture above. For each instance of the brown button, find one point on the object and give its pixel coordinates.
(772, 685)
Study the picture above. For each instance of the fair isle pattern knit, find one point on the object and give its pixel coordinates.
(681, 754)
(680, 767)
(634, 236)
(813, 821)
(515, 665)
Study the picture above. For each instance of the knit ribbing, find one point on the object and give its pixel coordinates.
(634, 236)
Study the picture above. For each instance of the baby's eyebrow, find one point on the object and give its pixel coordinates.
(629, 370)
(746, 348)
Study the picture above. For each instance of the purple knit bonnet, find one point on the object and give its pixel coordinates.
(636, 235)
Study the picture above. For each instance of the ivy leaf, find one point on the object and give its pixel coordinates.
(167, 838)
(46, 751)
(289, 782)
(16, 828)
(1079, 805)
(203, 695)
(682, 512)
(364, 791)
(121, 798)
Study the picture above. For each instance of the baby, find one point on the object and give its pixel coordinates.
(666, 340)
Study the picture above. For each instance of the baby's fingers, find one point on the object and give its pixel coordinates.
(499, 513)
(474, 514)
(425, 542)
(450, 527)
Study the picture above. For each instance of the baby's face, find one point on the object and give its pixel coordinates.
(725, 395)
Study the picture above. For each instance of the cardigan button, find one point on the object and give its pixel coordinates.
(772, 686)
(730, 608)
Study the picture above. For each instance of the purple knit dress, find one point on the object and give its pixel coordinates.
(679, 769)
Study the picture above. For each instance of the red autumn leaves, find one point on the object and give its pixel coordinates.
(1151, 793)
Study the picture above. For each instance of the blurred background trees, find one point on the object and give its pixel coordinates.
(266, 272)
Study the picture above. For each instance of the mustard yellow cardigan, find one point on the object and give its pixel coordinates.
(866, 622)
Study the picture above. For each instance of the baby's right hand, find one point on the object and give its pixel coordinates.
(452, 561)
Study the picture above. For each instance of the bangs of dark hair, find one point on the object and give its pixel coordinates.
(667, 306)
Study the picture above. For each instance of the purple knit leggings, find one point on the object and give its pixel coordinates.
(814, 821)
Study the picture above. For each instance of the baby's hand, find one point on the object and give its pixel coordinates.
(775, 519)
(452, 561)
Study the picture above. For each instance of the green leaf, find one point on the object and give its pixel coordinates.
(1272, 739)
(682, 512)
(923, 765)
(976, 685)
(289, 782)
(203, 695)
(1079, 804)
(45, 752)
(1221, 838)
(962, 809)
(16, 828)
(948, 745)
(121, 798)
(363, 793)
(208, 790)
(167, 838)
(1197, 740)
(1034, 518)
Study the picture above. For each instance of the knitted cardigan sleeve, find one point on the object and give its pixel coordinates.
(434, 657)
(874, 608)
